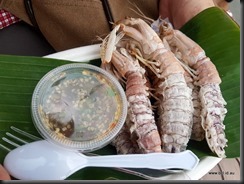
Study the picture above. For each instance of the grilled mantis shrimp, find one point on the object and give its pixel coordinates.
(175, 108)
(140, 118)
(213, 109)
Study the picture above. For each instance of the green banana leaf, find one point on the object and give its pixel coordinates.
(20, 74)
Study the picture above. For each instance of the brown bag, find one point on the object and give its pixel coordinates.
(72, 23)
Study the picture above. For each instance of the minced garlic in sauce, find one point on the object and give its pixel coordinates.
(82, 107)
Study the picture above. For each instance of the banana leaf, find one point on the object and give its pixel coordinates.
(20, 74)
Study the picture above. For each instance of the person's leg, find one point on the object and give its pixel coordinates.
(22, 39)
(224, 4)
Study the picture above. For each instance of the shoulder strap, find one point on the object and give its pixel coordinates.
(30, 13)
(108, 13)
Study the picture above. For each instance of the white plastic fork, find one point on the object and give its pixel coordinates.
(19, 140)
(144, 173)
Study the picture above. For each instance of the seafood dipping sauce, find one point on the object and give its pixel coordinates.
(79, 106)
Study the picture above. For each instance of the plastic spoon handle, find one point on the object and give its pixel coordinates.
(185, 160)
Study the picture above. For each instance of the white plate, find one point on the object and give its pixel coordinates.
(82, 54)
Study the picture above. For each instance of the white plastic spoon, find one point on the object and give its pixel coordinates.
(42, 160)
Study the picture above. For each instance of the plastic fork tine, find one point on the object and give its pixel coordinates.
(5, 147)
(10, 142)
(16, 138)
(35, 138)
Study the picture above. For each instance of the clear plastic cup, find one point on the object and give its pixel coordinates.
(79, 106)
